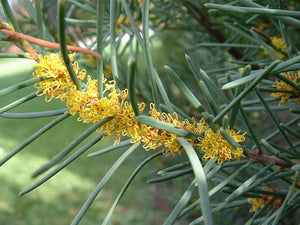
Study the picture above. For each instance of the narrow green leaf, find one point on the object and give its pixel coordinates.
(286, 200)
(241, 81)
(167, 127)
(39, 19)
(200, 180)
(296, 167)
(284, 18)
(252, 10)
(171, 175)
(209, 98)
(100, 44)
(10, 16)
(85, 7)
(219, 187)
(181, 204)
(185, 90)
(32, 12)
(275, 152)
(122, 144)
(246, 90)
(104, 180)
(246, 185)
(211, 85)
(226, 45)
(9, 68)
(127, 184)
(18, 102)
(173, 168)
(32, 115)
(250, 129)
(228, 179)
(112, 31)
(70, 147)
(131, 87)
(32, 138)
(275, 121)
(291, 131)
(63, 44)
(20, 85)
(155, 80)
(62, 165)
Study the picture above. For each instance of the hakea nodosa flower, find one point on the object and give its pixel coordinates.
(91, 108)
(291, 91)
(278, 46)
(260, 202)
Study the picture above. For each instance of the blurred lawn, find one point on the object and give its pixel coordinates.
(59, 199)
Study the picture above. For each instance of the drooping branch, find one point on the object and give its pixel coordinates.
(49, 44)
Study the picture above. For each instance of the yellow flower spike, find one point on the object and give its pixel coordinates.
(91, 108)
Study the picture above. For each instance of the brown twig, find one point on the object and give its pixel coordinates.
(49, 44)
(269, 159)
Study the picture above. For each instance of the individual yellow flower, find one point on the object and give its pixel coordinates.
(57, 82)
(292, 92)
(213, 144)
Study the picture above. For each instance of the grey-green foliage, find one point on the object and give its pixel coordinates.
(189, 65)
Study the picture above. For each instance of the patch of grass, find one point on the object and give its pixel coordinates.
(59, 199)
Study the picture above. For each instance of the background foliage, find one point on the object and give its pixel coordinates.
(234, 63)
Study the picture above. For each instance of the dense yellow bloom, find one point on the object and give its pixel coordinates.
(278, 43)
(91, 108)
(58, 81)
(281, 85)
(154, 138)
(213, 144)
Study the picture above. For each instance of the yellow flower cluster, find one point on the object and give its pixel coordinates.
(257, 203)
(281, 85)
(213, 144)
(276, 44)
(57, 82)
(91, 108)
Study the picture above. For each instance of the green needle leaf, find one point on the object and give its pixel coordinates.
(63, 43)
(62, 165)
(125, 187)
(200, 180)
(32, 115)
(32, 138)
(104, 180)
(168, 127)
(67, 149)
